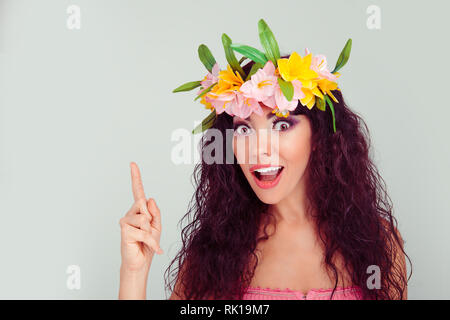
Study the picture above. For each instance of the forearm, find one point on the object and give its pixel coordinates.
(133, 285)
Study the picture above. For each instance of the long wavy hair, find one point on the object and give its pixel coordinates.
(348, 198)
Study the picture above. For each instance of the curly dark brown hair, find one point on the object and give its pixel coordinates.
(349, 202)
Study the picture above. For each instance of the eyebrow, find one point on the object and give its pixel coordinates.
(268, 116)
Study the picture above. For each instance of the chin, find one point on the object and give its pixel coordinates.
(267, 197)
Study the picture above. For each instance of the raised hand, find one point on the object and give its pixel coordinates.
(140, 228)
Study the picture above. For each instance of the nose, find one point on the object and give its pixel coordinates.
(263, 148)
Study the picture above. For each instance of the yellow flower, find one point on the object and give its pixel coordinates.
(279, 113)
(228, 81)
(296, 67)
(326, 86)
(311, 91)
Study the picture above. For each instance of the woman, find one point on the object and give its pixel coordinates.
(351, 209)
(316, 224)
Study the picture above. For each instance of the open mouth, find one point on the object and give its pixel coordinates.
(268, 174)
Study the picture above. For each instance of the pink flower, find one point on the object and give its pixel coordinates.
(262, 84)
(210, 78)
(222, 102)
(235, 104)
(319, 65)
(280, 101)
(248, 105)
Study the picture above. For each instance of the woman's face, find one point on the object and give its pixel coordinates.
(275, 142)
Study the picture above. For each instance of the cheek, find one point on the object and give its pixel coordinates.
(236, 153)
(295, 148)
(240, 150)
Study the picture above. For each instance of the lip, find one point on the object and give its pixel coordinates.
(266, 184)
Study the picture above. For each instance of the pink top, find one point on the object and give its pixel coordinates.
(258, 293)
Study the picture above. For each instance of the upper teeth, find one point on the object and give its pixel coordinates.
(262, 170)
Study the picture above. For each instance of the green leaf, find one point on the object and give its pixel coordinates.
(188, 86)
(206, 57)
(330, 104)
(231, 58)
(242, 60)
(287, 88)
(249, 52)
(206, 123)
(320, 104)
(205, 91)
(268, 42)
(253, 70)
(343, 57)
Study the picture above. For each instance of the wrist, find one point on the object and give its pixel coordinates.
(134, 273)
(133, 283)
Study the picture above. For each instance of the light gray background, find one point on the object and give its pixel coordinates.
(78, 105)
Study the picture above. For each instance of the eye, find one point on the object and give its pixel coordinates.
(241, 129)
(282, 125)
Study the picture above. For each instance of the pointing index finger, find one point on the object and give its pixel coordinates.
(136, 183)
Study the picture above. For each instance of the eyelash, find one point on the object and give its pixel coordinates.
(290, 122)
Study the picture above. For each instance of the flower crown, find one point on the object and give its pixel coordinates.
(279, 83)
